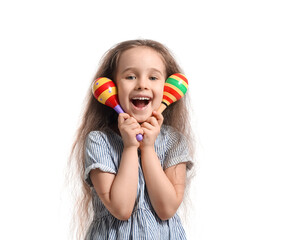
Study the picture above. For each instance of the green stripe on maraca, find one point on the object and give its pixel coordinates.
(177, 84)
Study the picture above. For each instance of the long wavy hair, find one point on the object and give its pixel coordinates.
(96, 116)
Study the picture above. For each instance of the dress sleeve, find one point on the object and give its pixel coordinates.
(177, 151)
(97, 155)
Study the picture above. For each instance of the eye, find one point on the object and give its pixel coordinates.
(131, 77)
(153, 78)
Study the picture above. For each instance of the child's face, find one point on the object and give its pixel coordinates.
(140, 79)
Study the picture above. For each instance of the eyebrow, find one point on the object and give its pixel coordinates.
(135, 69)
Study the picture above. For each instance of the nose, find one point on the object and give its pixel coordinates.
(142, 83)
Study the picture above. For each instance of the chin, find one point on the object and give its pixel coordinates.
(141, 119)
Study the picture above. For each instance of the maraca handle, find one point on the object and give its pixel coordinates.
(161, 108)
(139, 137)
(119, 110)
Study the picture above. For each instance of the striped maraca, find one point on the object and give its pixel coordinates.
(175, 88)
(105, 91)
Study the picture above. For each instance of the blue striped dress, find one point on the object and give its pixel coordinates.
(103, 151)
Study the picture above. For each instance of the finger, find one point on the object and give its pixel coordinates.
(147, 125)
(139, 131)
(122, 117)
(130, 121)
(133, 126)
(152, 120)
(133, 120)
(159, 117)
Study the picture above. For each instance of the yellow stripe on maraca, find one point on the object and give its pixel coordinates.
(173, 98)
(180, 80)
(103, 97)
(99, 83)
(175, 88)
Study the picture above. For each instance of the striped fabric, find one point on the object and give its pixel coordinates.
(103, 151)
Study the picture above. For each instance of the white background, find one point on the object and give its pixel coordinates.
(234, 56)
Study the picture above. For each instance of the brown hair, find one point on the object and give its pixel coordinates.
(97, 116)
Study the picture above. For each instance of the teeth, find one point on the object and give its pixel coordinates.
(141, 98)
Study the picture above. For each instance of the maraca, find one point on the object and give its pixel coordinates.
(105, 91)
(175, 88)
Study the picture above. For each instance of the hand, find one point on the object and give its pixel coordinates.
(151, 129)
(129, 128)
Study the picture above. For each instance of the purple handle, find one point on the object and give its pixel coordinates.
(139, 137)
(119, 110)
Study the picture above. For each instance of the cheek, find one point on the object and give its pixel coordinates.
(119, 91)
(123, 96)
(159, 97)
(161, 91)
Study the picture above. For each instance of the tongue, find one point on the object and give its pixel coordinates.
(139, 103)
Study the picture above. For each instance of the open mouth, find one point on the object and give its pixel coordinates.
(140, 102)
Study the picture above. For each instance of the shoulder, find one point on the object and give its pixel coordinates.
(170, 135)
(176, 147)
(96, 135)
(96, 138)
(102, 135)
(168, 140)
(105, 138)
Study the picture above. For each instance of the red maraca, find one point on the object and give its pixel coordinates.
(105, 92)
(175, 88)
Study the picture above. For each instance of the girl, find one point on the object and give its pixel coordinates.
(135, 187)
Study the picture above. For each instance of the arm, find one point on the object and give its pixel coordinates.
(165, 188)
(118, 192)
